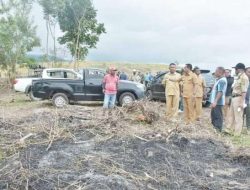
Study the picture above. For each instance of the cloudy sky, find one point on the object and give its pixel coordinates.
(203, 32)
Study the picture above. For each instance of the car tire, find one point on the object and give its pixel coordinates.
(149, 95)
(32, 97)
(206, 104)
(126, 98)
(60, 100)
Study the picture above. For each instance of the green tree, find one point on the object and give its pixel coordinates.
(77, 20)
(17, 34)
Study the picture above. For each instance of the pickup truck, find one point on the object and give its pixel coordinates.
(89, 88)
(24, 84)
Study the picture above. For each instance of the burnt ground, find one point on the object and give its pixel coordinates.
(78, 148)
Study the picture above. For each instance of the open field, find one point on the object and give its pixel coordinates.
(77, 148)
(126, 67)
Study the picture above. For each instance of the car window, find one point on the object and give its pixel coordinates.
(69, 75)
(55, 74)
(96, 74)
(160, 78)
(210, 80)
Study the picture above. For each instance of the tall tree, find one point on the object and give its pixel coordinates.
(17, 33)
(50, 11)
(77, 19)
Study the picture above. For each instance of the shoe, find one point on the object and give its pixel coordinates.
(180, 111)
(227, 133)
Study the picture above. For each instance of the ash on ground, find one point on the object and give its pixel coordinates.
(78, 148)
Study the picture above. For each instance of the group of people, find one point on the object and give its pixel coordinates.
(229, 98)
(190, 86)
(136, 76)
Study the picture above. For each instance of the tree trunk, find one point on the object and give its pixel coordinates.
(53, 35)
(76, 50)
(77, 47)
(47, 42)
(54, 43)
(12, 73)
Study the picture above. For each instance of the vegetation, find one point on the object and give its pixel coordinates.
(47, 148)
(77, 20)
(50, 11)
(28, 62)
(17, 34)
(121, 66)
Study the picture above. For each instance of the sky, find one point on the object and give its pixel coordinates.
(207, 33)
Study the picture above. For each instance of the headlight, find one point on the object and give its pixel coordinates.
(141, 86)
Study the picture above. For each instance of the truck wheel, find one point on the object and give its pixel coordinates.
(60, 100)
(206, 104)
(126, 98)
(149, 95)
(32, 97)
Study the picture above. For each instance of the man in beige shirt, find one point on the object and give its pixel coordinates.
(171, 82)
(135, 77)
(189, 82)
(235, 121)
(199, 94)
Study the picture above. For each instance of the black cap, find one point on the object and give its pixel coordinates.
(240, 66)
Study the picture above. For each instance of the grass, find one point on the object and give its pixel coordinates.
(241, 141)
(2, 154)
(121, 66)
(17, 99)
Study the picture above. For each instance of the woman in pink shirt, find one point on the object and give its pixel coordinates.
(110, 87)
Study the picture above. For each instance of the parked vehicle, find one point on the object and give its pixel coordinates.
(24, 84)
(89, 88)
(156, 91)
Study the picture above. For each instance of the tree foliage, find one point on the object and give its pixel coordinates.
(17, 33)
(77, 19)
(50, 7)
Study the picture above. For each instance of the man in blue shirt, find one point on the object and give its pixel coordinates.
(146, 79)
(123, 76)
(150, 76)
(217, 98)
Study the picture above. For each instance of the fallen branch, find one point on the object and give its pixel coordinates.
(22, 140)
(50, 144)
(141, 138)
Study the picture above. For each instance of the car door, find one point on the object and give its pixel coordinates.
(93, 84)
(76, 83)
(210, 80)
(158, 90)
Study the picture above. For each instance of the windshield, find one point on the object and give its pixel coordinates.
(209, 79)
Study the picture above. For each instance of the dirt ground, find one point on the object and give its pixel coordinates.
(78, 148)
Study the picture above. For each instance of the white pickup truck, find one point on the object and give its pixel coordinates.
(24, 84)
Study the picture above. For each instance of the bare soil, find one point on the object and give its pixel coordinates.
(136, 148)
